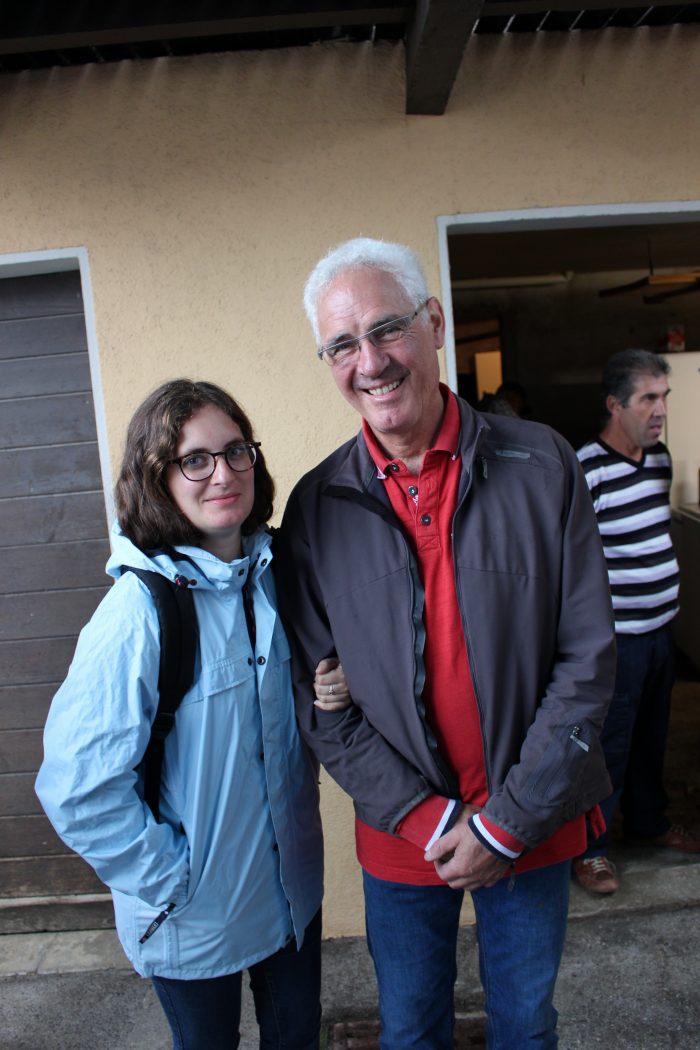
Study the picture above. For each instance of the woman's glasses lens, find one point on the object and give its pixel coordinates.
(201, 465)
(240, 457)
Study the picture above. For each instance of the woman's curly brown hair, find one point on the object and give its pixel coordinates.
(145, 510)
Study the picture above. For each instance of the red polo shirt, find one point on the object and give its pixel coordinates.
(425, 506)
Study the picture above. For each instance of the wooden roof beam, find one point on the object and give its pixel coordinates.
(119, 25)
(435, 42)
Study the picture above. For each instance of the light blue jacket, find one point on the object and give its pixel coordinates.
(239, 852)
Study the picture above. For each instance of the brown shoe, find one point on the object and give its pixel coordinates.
(677, 837)
(596, 874)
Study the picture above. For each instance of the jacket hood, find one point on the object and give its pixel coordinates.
(196, 563)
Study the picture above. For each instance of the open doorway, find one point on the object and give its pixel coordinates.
(566, 288)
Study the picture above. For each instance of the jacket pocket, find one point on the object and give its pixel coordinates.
(560, 767)
(134, 917)
(159, 951)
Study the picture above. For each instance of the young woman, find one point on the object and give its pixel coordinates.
(230, 877)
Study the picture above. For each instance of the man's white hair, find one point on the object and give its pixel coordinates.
(359, 254)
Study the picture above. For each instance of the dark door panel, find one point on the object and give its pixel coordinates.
(53, 549)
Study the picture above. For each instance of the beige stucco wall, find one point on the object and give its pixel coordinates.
(205, 188)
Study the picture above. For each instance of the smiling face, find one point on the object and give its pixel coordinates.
(394, 388)
(637, 425)
(218, 506)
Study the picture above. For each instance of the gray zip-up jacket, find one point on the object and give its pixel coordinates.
(535, 605)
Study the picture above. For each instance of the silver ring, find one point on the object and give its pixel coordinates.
(331, 690)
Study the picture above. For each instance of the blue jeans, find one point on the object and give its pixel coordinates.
(206, 1014)
(634, 736)
(412, 937)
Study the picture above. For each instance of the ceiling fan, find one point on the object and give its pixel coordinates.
(692, 285)
(690, 278)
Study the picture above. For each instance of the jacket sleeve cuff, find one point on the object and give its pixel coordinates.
(494, 838)
(430, 819)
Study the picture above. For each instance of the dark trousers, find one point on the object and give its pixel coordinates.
(634, 736)
(206, 1014)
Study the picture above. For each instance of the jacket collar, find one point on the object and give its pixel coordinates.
(357, 470)
(208, 570)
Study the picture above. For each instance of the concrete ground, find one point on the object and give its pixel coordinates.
(630, 977)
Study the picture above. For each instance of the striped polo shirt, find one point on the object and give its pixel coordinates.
(631, 501)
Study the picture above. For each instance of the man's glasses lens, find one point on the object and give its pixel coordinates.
(381, 336)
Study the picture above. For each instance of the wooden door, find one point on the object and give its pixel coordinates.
(53, 549)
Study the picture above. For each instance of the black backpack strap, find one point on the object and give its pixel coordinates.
(178, 647)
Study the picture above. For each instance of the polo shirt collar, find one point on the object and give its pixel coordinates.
(446, 440)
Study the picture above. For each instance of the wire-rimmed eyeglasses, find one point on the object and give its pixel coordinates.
(198, 466)
(383, 335)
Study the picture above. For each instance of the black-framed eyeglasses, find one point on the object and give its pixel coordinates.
(383, 335)
(198, 466)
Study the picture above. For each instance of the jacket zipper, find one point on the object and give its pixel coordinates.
(157, 923)
(440, 765)
(475, 459)
(574, 735)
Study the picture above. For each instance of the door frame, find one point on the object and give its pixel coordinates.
(576, 216)
(55, 260)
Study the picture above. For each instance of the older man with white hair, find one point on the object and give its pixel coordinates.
(452, 561)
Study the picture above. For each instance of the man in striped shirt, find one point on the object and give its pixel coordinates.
(628, 471)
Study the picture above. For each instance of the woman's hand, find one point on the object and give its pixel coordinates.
(330, 686)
